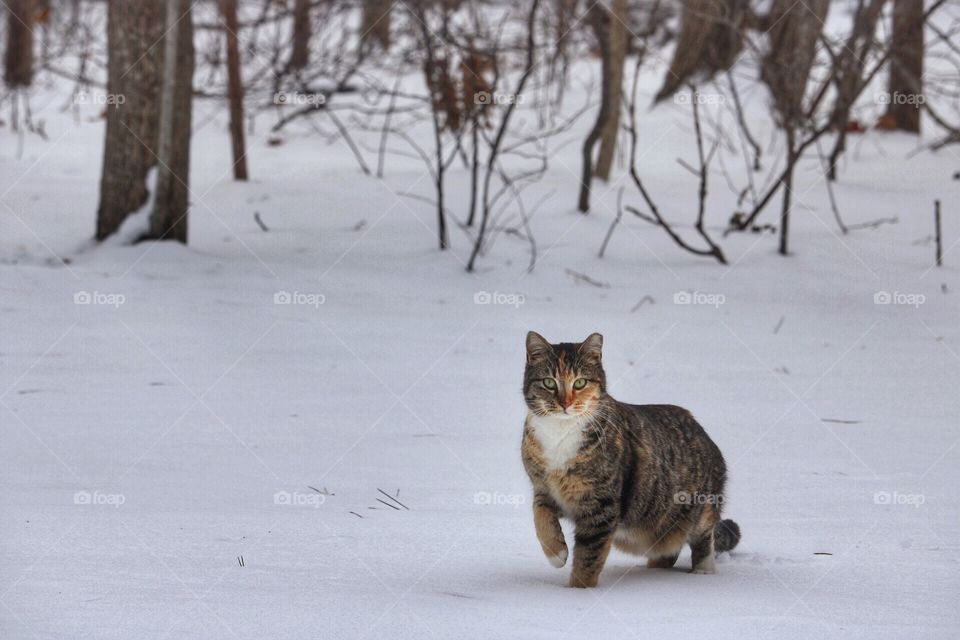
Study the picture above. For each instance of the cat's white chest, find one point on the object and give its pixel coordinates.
(559, 438)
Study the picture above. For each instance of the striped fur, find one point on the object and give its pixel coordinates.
(644, 478)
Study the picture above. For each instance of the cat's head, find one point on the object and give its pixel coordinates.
(565, 379)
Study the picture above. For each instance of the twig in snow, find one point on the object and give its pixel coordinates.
(838, 421)
(873, 224)
(643, 300)
(356, 514)
(388, 504)
(325, 491)
(256, 218)
(936, 218)
(776, 329)
(582, 277)
(394, 499)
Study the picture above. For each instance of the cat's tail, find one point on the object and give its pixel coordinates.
(726, 535)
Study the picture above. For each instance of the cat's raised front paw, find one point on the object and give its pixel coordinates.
(559, 559)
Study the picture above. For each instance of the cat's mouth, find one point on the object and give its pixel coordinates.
(567, 414)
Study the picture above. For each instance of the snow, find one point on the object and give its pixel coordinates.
(175, 423)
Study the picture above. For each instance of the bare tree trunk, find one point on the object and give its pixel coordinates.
(132, 72)
(438, 83)
(792, 157)
(710, 40)
(169, 217)
(617, 36)
(18, 60)
(849, 74)
(474, 166)
(599, 22)
(906, 65)
(793, 34)
(235, 89)
(300, 56)
(375, 28)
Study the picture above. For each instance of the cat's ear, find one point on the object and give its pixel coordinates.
(592, 347)
(537, 347)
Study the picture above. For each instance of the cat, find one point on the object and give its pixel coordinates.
(643, 478)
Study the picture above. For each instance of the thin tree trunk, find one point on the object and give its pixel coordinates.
(598, 18)
(586, 175)
(18, 60)
(133, 71)
(300, 56)
(169, 217)
(235, 89)
(787, 192)
(906, 65)
(616, 53)
(375, 28)
(474, 167)
(434, 79)
(849, 71)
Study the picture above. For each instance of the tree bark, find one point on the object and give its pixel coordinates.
(710, 40)
(133, 72)
(906, 65)
(300, 56)
(168, 220)
(616, 55)
(376, 23)
(235, 89)
(18, 60)
(792, 36)
(599, 22)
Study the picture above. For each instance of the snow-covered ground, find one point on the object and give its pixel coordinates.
(186, 456)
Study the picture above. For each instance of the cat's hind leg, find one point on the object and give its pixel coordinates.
(665, 550)
(662, 562)
(702, 552)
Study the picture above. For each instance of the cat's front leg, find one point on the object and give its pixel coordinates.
(592, 545)
(546, 519)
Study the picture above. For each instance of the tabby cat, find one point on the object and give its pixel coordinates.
(644, 478)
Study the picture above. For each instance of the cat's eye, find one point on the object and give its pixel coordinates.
(549, 383)
(579, 383)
